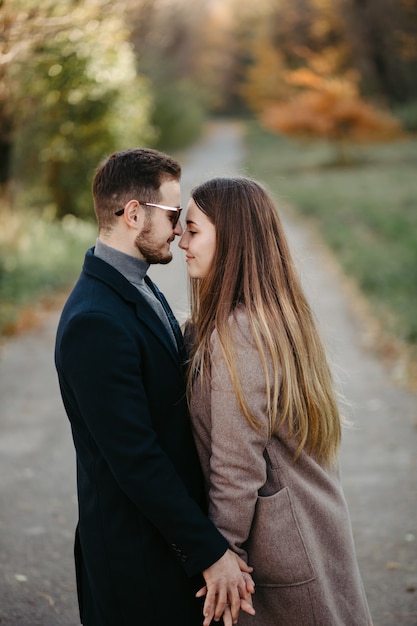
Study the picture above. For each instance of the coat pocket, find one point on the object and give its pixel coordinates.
(275, 547)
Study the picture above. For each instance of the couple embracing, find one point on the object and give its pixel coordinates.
(207, 473)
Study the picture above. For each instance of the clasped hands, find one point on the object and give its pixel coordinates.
(229, 588)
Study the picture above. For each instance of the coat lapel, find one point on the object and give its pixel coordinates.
(171, 318)
(104, 272)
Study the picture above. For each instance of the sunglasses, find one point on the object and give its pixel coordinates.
(174, 218)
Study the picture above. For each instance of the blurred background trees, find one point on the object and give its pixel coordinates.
(72, 95)
(81, 79)
(384, 46)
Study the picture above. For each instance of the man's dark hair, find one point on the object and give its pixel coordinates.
(134, 174)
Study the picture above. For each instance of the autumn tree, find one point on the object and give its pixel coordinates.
(331, 108)
(281, 40)
(313, 89)
(74, 93)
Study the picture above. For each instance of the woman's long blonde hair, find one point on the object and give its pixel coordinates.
(252, 268)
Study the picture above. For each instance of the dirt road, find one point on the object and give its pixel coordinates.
(37, 476)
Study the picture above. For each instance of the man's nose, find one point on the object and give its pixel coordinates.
(178, 230)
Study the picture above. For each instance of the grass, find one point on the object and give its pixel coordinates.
(39, 257)
(367, 214)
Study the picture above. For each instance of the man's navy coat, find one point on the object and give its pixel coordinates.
(142, 537)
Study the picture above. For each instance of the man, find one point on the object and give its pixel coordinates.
(142, 540)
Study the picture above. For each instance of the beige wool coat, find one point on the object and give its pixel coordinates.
(288, 519)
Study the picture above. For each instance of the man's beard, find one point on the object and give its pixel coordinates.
(148, 247)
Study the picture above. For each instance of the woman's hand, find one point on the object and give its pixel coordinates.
(228, 589)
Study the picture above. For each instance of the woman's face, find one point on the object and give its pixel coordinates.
(198, 241)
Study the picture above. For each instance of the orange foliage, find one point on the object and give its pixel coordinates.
(264, 83)
(328, 107)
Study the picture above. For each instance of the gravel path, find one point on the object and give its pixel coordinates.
(37, 475)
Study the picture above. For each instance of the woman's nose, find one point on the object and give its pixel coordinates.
(183, 241)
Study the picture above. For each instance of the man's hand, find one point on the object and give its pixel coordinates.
(228, 587)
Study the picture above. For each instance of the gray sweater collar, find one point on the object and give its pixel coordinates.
(132, 268)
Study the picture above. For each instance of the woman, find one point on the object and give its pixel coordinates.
(264, 412)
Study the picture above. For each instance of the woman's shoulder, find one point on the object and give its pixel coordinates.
(240, 316)
(240, 329)
(240, 325)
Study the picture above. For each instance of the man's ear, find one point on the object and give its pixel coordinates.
(131, 214)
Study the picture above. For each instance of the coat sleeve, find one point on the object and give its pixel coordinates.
(237, 465)
(102, 374)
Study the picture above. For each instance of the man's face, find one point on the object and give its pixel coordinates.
(158, 232)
